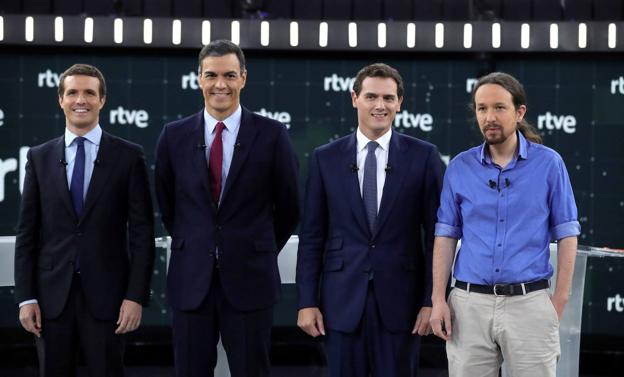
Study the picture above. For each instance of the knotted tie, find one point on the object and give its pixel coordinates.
(369, 185)
(215, 162)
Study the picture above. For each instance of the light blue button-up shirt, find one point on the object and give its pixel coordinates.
(506, 217)
(91, 145)
(228, 137)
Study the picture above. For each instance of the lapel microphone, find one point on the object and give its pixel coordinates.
(492, 184)
(200, 146)
(388, 168)
(63, 162)
(97, 162)
(507, 182)
(354, 168)
(237, 145)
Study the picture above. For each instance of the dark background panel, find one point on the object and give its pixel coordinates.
(314, 92)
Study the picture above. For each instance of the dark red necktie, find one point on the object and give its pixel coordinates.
(215, 162)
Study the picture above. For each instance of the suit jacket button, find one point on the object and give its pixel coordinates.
(372, 245)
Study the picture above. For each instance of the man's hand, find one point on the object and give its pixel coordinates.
(440, 320)
(30, 318)
(559, 304)
(422, 326)
(129, 317)
(310, 320)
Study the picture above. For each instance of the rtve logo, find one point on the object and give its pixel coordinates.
(617, 85)
(9, 165)
(280, 116)
(48, 79)
(470, 84)
(406, 119)
(548, 121)
(190, 81)
(336, 83)
(615, 303)
(139, 118)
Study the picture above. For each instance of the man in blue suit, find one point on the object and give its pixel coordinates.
(226, 182)
(363, 273)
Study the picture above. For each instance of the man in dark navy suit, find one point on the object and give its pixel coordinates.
(85, 241)
(226, 181)
(363, 273)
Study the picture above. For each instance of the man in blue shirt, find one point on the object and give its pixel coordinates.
(506, 200)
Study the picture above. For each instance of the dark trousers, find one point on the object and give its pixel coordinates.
(246, 337)
(372, 350)
(76, 328)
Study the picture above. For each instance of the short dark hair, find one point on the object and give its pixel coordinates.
(83, 70)
(518, 97)
(378, 70)
(222, 47)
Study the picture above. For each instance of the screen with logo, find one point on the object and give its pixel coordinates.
(575, 102)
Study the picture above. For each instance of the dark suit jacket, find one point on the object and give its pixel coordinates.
(337, 250)
(114, 236)
(258, 212)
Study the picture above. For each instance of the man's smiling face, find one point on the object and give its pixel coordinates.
(221, 81)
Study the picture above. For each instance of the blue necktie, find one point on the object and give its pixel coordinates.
(369, 185)
(76, 188)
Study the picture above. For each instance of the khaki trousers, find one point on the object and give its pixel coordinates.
(521, 330)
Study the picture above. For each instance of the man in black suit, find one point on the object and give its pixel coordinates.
(226, 182)
(85, 242)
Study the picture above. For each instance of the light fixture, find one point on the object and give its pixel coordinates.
(525, 36)
(118, 31)
(58, 29)
(381, 35)
(235, 32)
(439, 35)
(88, 30)
(205, 32)
(411, 35)
(582, 35)
(323, 34)
(496, 35)
(353, 34)
(147, 31)
(30, 29)
(264, 33)
(176, 32)
(467, 36)
(294, 34)
(554, 36)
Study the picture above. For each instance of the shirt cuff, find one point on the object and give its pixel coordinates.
(569, 229)
(445, 230)
(33, 301)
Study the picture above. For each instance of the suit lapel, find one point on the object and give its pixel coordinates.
(60, 175)
(244, 141)
(351, 182)
(106, 161)
(394, 179)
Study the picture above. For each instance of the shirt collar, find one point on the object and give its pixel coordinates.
(232, 123)
(94, 136)
(383, 141)
(522, 150)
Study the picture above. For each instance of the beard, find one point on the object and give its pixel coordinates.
(498, 138)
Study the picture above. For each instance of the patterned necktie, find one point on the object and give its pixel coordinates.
(215, 162)
(76, 188)
(369, 185)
